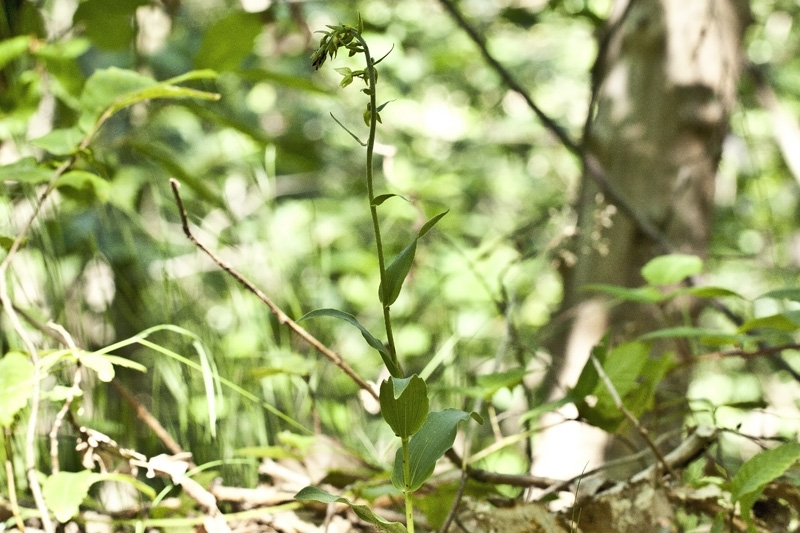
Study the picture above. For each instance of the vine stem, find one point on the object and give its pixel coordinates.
(373, 127)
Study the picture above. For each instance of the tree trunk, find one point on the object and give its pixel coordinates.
(664, 85)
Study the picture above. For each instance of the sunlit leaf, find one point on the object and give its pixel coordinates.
(404, 404)
(759, 470)
(12, 48)
(491, 383)
(670, 269)
(100, 364)
(65, 491)
(16, 375)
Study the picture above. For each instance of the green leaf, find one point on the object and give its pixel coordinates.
(763, 468)
(431, 223)
(112, 89)
(363, 512)
(16, 377)
(100, 364)
(64, 492)
(396, 274)
(491, 383)
(780, 322)
(404, 404)
(787, 293)
(710, 292)
(10, 49)
(25, 170)
(623, 365)
(427, 446)
(82, 181)
(671, 269)
(639, 294)
(112, 29)
(689, 332)
(228, 41)
(378, 200)
(394, 370)
(61, 141)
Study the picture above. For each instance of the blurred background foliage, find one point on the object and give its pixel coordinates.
(276, 187)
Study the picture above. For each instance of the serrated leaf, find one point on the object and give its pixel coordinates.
(363, 512)
(16, 375)
(639, 294)
(763, 468)
(396, 274)
(65, 491)
(394, 370)
(426, 447)
(404, 404)
(25, 170)
(431, 223)
(671, 269)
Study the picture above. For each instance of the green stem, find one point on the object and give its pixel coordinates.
(373, 127)
(406, 492)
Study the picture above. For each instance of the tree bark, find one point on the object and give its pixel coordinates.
(664, 85)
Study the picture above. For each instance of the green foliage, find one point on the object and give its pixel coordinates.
(278, 189)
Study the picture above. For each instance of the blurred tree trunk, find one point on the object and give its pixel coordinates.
(663, 87)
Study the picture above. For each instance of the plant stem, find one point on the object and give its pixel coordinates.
(407, 492)
(373, 127)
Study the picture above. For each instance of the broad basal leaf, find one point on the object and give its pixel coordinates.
(404, 404)
(427, 446)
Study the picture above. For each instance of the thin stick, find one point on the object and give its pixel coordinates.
(632, 419)
(283, 318)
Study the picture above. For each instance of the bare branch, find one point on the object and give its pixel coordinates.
(283, 318)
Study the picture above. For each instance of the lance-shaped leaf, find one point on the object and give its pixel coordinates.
(404, 404)
(362, 511)
(427, 446)
(753, 476)
(397, 271)
(394, 370)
